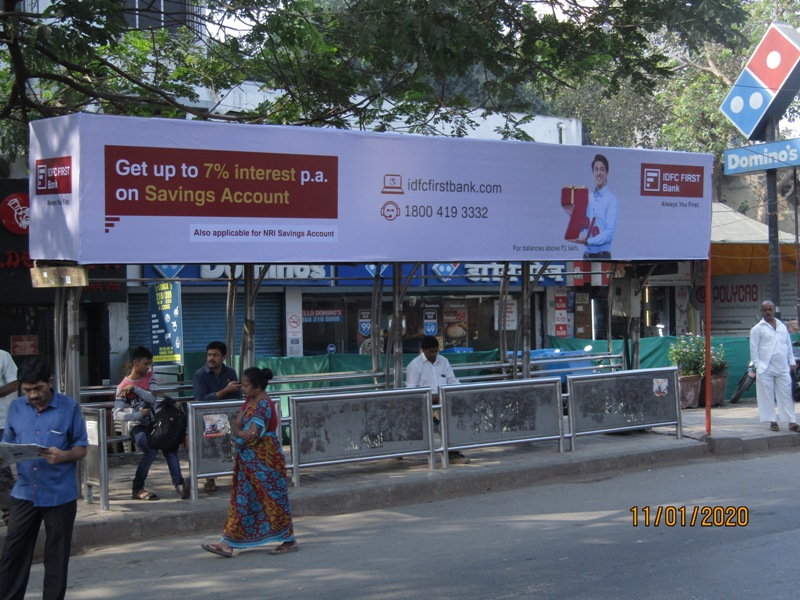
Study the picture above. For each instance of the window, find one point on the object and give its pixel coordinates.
(158, 14)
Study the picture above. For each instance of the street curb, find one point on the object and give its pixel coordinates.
(727, 446)
(463, 481)
(382, 489)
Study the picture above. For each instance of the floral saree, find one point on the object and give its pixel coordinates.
(259, 511)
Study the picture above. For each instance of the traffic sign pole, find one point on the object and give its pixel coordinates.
(772, 224)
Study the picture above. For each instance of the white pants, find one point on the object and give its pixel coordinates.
(775, 389)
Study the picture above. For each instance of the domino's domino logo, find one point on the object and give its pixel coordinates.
(768, 83)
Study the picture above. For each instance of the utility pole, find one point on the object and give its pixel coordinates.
(771, 134)
(796, 195)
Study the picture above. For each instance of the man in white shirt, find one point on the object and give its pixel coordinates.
(773, 361)
(430, 370)
(9, 390)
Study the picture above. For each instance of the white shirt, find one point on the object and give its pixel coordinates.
(771, 349)
(8, 373)
(423, 373)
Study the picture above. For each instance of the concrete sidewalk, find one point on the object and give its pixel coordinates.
(336, 489)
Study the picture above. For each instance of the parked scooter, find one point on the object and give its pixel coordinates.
(745, 381)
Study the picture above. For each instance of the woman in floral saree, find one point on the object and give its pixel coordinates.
(259, 512)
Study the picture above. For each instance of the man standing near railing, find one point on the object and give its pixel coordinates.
(47, 489)
(773, 360)
(430, 370)
(214, 382)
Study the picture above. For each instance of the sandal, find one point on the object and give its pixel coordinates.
(217, 549)
(143, 495)
(794, 427)
(774, 426)
(286, 548)
(210, 486)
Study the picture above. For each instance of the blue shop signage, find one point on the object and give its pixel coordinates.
(317, 275)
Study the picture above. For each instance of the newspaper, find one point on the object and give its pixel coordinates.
(14, 453)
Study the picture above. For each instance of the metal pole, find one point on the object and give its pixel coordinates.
(609, 306)
(376, 320)
(397, 322)
(503, 302)
(230, 320)
(58, 335)
(525, 320)
(248, 358)
(708, 343)
(772, 223)
(72, 384)
(796, 246)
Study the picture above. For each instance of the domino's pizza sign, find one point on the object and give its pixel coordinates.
(768, 83)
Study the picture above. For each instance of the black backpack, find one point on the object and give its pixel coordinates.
(168, 428)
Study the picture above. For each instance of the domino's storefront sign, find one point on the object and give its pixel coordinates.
(768, 83)
(759, 157)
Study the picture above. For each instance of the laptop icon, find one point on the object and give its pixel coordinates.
(392, 184)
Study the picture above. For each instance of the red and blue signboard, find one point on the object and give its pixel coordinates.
(768, 83)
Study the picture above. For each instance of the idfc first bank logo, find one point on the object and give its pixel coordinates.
(685, 181)
(54, 176)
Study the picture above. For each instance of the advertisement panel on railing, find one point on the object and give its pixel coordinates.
(108, 189)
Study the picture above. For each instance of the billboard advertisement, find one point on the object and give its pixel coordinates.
(142, 190)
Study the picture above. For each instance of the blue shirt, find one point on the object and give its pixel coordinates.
(206, 384)
(61, 425)
(600, 224)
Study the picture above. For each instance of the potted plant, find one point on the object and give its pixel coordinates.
(688, 353)
(719, 377)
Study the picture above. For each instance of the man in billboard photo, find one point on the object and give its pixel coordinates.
(602, 213)
(213, 382)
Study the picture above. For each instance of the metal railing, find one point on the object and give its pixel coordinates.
(97, 403)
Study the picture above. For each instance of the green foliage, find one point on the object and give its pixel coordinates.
(719, 365)
(688, 353)
(681, 110)
(344, 63)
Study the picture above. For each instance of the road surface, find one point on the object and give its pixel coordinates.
(574, 540)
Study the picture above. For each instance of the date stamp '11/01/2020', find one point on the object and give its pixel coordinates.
(695, 516)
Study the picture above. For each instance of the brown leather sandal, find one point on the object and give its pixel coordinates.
(143, 494)
(286, 548)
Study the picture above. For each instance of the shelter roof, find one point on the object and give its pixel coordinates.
(729, 226)
(740, 245)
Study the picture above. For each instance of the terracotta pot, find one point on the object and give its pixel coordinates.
(718, 385)
(689, 390)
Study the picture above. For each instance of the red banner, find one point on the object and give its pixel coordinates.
(685, 181)
(206, 183)
(54, 176)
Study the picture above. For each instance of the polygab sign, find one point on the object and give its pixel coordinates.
(132, 190)
(768, 83)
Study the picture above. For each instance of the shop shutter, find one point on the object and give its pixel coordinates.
(204, 321)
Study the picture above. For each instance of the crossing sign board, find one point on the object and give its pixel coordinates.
(768, 83)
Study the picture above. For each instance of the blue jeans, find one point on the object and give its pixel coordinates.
(139, 435)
